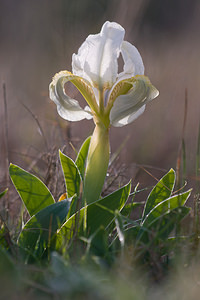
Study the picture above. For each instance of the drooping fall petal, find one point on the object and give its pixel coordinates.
(67, 107)
(130, 106)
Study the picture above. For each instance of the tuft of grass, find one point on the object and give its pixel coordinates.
(134, 272)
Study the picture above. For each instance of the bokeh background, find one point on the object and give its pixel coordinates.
(38, 38)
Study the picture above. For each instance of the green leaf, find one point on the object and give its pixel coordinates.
(128, 208)
(157, 213)
(161, 191)
(71, 175)
(3, 193)
(162, 226)
(38, 231)
(102, 212)
(165, 206)
(82, 156)
(31, 189)
(166, 223)
(98, 243)
(99, 213)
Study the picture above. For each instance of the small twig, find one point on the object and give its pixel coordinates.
(38, 123)
(150, 167)
(145, 170)
(35, 161)
(173, 193)
(117, 152)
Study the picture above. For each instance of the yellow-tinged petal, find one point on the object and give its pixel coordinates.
(67, 107)
(86, 90)
(129, 106)
(120, 88)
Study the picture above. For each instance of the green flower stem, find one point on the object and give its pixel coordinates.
(96, 167)
(97, 164)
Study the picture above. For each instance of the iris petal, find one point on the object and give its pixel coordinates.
(128, 107)
(133, 64)
(67, 107)
(97, 57)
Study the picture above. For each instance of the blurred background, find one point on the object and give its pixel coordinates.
(38, 38)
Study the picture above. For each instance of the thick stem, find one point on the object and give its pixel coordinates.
(97, 164)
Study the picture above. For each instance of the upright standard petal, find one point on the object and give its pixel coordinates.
(130, 106)
(133, 64)
(68, 108)
(97, 57)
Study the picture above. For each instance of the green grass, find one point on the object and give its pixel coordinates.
(144, 254)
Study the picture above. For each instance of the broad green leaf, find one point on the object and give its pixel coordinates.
(38, 231)
(102, 212)
(98, 242)
(74, 207)
(163, 225)
(71, 175)
(159, 211)
(82, 156)
(31, 189)
(166, 206)
(128, 208)
(161, 191)
(99, 213)
(3, 193)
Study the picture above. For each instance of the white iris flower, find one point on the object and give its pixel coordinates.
(113, 98)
